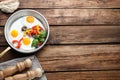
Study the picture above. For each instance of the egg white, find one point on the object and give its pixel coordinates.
(17, 25)
(27, 47)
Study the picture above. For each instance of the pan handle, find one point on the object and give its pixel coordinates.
(4, 52)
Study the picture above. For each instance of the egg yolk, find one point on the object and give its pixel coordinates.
(30, 19)
(14, 33)
(26, 41)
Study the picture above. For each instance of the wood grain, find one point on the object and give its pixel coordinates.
(75, 26)
(74, 57)
(11, 54)
(76, 16)
(84, 34)
(93, 75)
(78, 35)
(70, 4)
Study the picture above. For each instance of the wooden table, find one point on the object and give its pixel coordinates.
(84, 41)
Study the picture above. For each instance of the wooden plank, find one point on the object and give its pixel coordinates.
(78, 35)
(84, 34)
(76, 16)
(92, 75)
(11, 54)
(89, 57)
(75, 57)
(70, 4)
(3, 41)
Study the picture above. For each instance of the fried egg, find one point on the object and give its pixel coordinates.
(14, 33)
(26, 41)
(17, 34)
(30, 19)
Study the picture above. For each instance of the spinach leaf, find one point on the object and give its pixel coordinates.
(35, 42)
(43, 34)
(41, 39)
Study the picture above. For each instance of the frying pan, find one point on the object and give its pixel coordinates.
(14, 17)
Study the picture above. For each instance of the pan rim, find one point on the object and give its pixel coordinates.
(26, 51)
